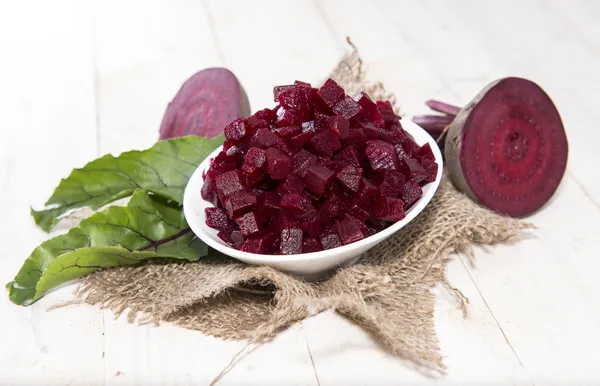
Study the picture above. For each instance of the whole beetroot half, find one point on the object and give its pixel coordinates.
(205, 104)
(507, 149)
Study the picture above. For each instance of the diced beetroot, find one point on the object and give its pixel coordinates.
(295, 97)
(366, 192)
(270, 201)
(340, 125)
(253, 124)
(291, 241)
(288, 116)
(359, 212)
(426, 152)
(347, 108)
(330, 239)
(236, 130)
(317, 178)
(393, 183)
(321, 122)
(313, 198)
(402, 154)
(326, 142)
(349, 230)
(239, 203)
(262, 243)
(278, 90)
(388, 209)
(288, 131)
(348, 156)
(310, 244)
(301, 139)
(229, 183)
(381, 155)
(302, 84)
(387, 111)
(297, 204)
(250, 224)
(282, 219)
(255, 159)
(209, 190)
(350, 177)
(264, 138)
(312, 225)
(417, 172)
(431, 169)
(252, 180)
(301, 162)
(279, 165)
(267, 115)
(412, 192)
(293, 184)
(410, 146)
(216, 218)
(370, 110)
(333, 207)
(232, 237)
(331, 93)
(308, 126)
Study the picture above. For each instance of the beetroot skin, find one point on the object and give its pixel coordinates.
(320, 170)
(205, 104)
(507, 149)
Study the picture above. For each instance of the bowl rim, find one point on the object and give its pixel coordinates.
(414, 211)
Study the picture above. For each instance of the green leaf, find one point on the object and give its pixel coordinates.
(164, 169)
(148, 227)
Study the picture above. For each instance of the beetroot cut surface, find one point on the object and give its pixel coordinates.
(207, 101)
(507, 149)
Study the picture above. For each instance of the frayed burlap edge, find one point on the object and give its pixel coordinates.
(388, 292)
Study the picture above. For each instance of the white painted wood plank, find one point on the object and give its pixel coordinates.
(48, 127)
(144, 55)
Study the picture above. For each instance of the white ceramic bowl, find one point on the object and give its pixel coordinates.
(309, 266)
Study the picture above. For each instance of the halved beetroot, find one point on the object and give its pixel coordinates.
(206, 102)
(507, 149)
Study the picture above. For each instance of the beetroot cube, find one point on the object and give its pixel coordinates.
(366, 192)
(340, 125)
(264, 138)
(330, 239)
(254, 123)
(295, 97)
(431, 169)
(301, 162)
(229, 183)
(293, 184)
(331, 93)
(288, 131)
(209, 190)
(333, 207)
(381, 155)
(292, 116)
(347, 108)
(417, 171)
(325, 143)
(359, 212)
(279, 165)
(393, 183)
(239, 203)
(370, 110)
(270, 201)
(311, 244)
(253, 180)
(388, 209)
(291, 241)
(301, 139)
(216, 218)
(312, 225)
(255, 159)
(387, 111)
(317, 178)
(348, 156)
(278, 90)
(402, 154)
(412, 192)
(356, 136)
(232, 237)
(350, 177)
(321, 122)
(298, 204)
(282, 219)
(302, 84)
(259, 244)
(349, 230)
(267, 115)
(236, 130)
(426, 152)
(250, 224)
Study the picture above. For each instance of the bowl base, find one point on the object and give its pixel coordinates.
(319, 276)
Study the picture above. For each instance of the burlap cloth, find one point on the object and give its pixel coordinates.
(388, 292)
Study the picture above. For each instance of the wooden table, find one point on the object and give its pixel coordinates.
(79, 79)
